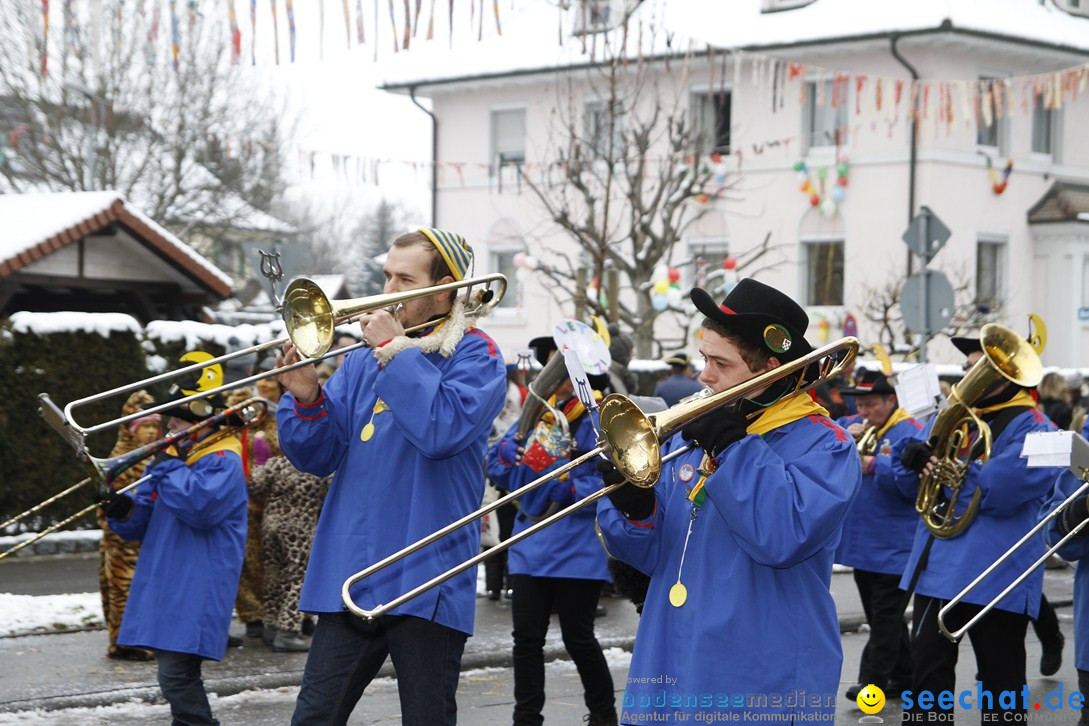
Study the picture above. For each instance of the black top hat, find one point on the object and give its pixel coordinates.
(967, 344)
(870, 382)
(762, 316)
(543, 345)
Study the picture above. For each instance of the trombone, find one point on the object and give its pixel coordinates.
(310, 318)
(631, 440)
(105, 471)
(1080, 469)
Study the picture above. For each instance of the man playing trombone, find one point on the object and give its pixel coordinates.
(738, 534)
(405, 427)
(191, 518)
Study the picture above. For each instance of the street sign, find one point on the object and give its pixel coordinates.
(926, 234)
(926, 302)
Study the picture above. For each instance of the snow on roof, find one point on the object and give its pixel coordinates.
(66, 322)
(231, 337)
(329, 284)
(37, 224)
(740, 24)
(530, 43)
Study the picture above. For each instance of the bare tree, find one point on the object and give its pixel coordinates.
(186, 138)
(631, 173)
(882, 307)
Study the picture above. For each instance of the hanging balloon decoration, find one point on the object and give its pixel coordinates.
(715, 166)
(998, 185)
(666, 289)
(825, 200)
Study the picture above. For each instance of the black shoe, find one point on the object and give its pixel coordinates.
(895, 689)
(601, 611)
(853, 691)
(493, 595)
(233, 642)
(255, 629)
(1052, 657)
(600, 719)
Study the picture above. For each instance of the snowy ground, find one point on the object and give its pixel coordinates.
(136, 711)
(49, 613)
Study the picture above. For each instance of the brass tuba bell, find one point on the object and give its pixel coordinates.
(1006, 357)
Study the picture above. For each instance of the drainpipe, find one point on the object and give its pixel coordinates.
(914, 144)
(434, 158)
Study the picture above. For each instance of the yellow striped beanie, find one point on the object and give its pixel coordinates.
(453, 248)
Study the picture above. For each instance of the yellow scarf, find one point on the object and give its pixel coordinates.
(1021, 399)
(572, 412)
(897, 416)
(227, 443)
(774, 416)
(784, 412)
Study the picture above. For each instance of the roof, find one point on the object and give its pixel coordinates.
(1063, 202)
(738, 24)
(38, 224)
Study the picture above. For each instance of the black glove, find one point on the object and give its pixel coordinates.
(1074, 514)
(634, 502)
(715, 431)
(164, 455)
(916, 455)
(116, 506)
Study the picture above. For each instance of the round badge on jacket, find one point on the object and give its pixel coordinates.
(686, 473)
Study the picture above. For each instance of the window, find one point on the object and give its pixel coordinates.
(706, 270)
(503, 263)
(824, 272)
(991, 273)
(993, 135)
(826, 125)
(711, 121)
(599, 119)
(1044, 128)
(508, 137)
(596, 16)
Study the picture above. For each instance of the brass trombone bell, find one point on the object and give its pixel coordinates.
(310, 318)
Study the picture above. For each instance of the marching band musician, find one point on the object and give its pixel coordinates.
(877, 536)
(738, 535)
(939, 568)
(405, 428)
(1076, 550)
(191, 518)
(562, 567)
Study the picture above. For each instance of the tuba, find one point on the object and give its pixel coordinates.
(1006, 357)
(866, 442)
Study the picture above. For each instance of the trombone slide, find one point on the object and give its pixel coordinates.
(1079, 467)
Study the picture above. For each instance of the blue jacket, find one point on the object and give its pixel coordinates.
(673, 389)
(568, 548)
(1076, 550)
(759, 621)
(192, 520)
(420, 469)
(1011, 500)
(881, 523)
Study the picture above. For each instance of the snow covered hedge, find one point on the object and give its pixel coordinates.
(69, 356)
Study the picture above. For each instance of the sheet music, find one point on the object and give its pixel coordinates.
(918, 391)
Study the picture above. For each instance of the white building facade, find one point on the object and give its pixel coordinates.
(819, 84)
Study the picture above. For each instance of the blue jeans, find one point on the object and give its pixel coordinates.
(181, 684)
(346, 653)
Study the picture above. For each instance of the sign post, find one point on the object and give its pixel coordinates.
(926, 300)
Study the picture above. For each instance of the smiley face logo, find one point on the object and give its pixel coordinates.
(871, 699)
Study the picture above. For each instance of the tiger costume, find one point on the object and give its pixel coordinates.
(116, 557)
